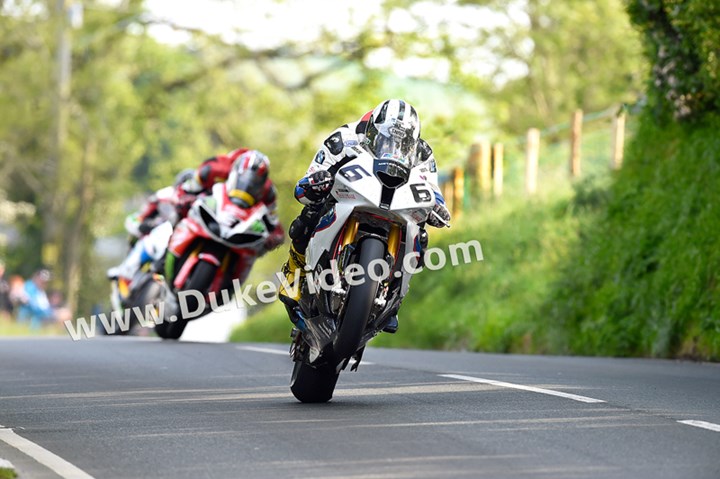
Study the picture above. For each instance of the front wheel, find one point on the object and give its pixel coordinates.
(359, 301)
(200, 280)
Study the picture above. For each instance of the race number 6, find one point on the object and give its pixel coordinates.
(421, 193)
(353, 172)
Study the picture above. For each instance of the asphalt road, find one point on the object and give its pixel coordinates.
(127, 407)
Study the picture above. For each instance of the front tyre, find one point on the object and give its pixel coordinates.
(359, 302)
(200, 279)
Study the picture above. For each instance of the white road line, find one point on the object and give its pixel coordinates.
(533, 389)
(263, 350)
(55, 463)
(705, 425)
(283, 353)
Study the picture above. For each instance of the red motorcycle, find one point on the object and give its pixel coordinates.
(215, 245)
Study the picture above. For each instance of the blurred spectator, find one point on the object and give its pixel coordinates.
(37, 309)
(61, 312)
(6, 306)
(17, 291)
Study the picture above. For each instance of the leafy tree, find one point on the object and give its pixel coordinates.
(682, 41)
(548, 57)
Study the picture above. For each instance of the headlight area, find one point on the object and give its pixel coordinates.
(209, 221)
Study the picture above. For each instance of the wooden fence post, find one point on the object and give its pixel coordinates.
(458, 181)
(617, 141)
(575, 142)
(497, 169)
(473, 168)
(484, 168)
(531, 160)
(447, 192)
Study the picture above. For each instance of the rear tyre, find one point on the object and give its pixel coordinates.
(313, 385)
(200, 280)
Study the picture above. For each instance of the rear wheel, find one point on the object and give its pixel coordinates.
(200, 280)
(313, 385)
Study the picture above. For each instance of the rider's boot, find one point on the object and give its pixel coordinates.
(294, 271)
(392, 325)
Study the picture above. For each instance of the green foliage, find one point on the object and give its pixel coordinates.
(139, 111)
(682, 42)
(7, 473)
(643, 281)
(551, 57)
(643, 278)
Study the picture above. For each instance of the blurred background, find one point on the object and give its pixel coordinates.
(576, 140)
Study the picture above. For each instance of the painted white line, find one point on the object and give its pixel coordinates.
(283, 353)
(533, 389)
(263, 350)
(705, 425)
(55, 463)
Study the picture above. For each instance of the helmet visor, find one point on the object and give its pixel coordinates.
(395, 143)
(245, 189)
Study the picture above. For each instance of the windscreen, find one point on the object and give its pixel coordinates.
(396, 144)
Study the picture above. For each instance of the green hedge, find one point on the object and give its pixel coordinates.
(643, 281)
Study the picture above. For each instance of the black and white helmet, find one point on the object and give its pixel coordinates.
(393, 131)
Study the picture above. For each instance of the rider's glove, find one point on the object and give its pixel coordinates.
(439, 217)
(317, 186)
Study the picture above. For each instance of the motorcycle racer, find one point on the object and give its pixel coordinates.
(248, 169)
(158, 208)
(393, 122)
(247, 174)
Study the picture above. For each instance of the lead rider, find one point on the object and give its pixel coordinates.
(392, 121)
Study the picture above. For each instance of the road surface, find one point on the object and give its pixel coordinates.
(134, 407)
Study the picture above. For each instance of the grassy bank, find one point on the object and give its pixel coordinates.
(10, 327)
(7, 473)
(643, 280)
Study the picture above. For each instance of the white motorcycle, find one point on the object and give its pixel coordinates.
(134, 283)
(360, 260)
